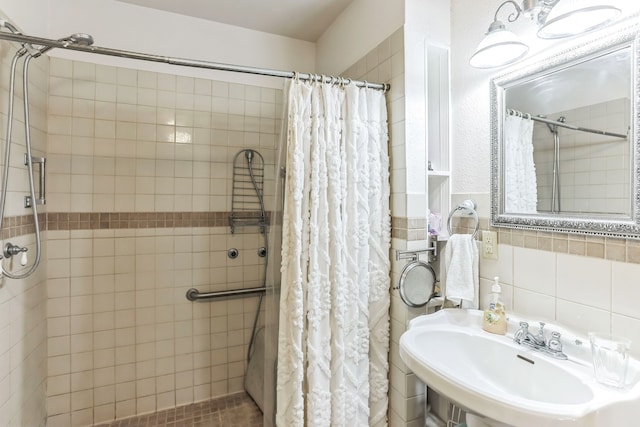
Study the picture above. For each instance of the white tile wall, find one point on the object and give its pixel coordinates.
(123, 339)
(121, 331)
(534, 270)
(123, 140)
(585, 293)
(583, 280)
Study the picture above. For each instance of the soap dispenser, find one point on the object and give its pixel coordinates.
(495, 318)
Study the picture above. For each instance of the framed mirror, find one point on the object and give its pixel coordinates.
(565, 153)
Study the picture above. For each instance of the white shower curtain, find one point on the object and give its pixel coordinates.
(334, 307)
(520, 184)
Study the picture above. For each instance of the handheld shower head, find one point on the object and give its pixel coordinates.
(81, 39)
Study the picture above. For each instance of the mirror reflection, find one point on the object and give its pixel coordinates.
(566, 145)
(565, 152)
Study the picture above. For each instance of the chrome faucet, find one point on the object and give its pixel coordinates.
(538, 342)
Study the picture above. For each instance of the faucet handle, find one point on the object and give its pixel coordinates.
(524, 325)
(554, 342)
(521, 333)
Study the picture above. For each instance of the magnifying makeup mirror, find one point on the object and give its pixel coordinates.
(417, 284)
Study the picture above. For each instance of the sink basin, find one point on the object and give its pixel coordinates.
(493, 376)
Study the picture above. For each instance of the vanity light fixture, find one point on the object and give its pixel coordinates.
(555, 18)
(570, 17)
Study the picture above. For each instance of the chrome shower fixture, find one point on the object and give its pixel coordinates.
(554, 18)
(248, 154)
(26, 47)
(9, 26)
(554, 128)
(27, 53)
(81, 39)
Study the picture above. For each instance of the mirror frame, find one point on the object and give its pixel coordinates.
(586, 48)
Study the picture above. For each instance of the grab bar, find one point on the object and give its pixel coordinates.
(194, 295)
(42, 192)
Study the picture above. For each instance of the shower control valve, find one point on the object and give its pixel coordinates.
(10, 250)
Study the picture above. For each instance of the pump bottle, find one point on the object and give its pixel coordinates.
(495, 318)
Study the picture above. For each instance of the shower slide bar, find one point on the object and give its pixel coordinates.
(65, 44)
(194, 295)
(564, 125)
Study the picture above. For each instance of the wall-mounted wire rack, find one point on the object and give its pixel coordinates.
(247, 203)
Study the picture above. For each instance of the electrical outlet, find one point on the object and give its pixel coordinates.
(490, 244)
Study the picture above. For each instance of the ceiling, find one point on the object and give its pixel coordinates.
(299, 19)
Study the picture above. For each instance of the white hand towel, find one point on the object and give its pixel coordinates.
(461, 263)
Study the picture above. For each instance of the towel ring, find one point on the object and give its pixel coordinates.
(417, 284)
(467, 205)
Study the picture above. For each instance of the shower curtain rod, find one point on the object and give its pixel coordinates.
(564, 125)
(61, 44)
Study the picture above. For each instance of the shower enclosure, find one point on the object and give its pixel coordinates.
(139, 176)
(159, 187)
(156, 184)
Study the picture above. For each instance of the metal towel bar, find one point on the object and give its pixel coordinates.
(194, 295)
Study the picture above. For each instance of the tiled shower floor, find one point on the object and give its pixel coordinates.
(236, 410)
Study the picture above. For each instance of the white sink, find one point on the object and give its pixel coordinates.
(493, 376)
